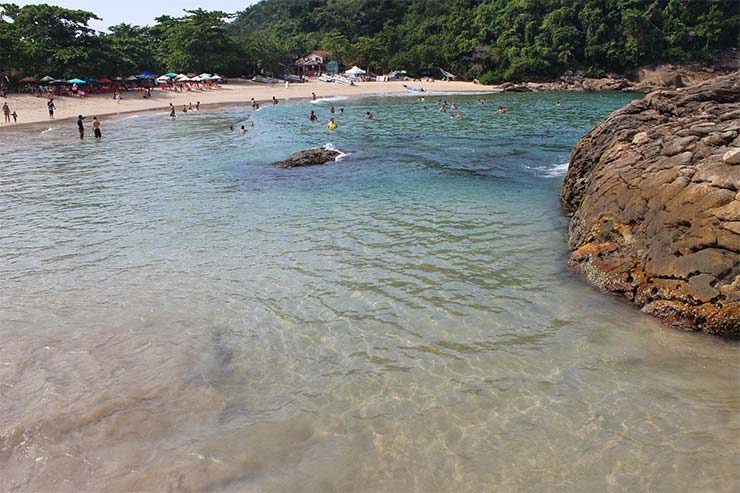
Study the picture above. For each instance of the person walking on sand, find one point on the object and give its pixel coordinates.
(6, 112)
(96, 128)
(51, 106)
(81, 126)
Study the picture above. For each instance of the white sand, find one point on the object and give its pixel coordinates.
(32, 109)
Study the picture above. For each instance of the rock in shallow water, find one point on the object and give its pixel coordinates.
(309, 157)
(653, 193)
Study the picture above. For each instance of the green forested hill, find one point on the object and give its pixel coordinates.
(493, 39)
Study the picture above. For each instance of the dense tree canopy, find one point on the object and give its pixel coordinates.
(492, 40)
(497, 39)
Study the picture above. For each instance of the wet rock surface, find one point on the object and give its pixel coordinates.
(654, 193)
(308, 157)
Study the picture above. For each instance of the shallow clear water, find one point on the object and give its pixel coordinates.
(178, 315)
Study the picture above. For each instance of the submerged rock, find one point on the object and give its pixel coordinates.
(308, 157)
(655, 203)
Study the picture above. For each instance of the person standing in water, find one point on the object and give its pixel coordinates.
(51, 106)
(96, 128)
(274, 100)
(197, 106)
(173, 114)
(6, 112)
(15, 117)
(81, 126)
(312, 116)
(368, 116)
(313, 96)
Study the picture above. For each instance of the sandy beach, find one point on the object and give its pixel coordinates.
(32, 109)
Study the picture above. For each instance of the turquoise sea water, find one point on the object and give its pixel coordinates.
(178, 315)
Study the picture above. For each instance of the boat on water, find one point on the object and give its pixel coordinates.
(265, 80)
(414, 90)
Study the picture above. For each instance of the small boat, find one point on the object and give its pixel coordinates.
(293, 78)
(413, 90)
(326, 78)
(344, 80)
(265, 80)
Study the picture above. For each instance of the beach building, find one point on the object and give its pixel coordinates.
(312, 64)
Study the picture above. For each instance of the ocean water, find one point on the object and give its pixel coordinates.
(178, 315)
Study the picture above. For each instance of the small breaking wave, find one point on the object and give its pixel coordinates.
(46, 131)
(330, 147)
(558, 170)
(328, 100)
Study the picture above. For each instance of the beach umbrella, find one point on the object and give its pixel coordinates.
(28, 80)
(132, 78)
(47, 79)
(105, 80)
(204, 76)
(170, 74)
(58, 82)
(216, 77)
(146, 76)
(91, 80)
(76, 81)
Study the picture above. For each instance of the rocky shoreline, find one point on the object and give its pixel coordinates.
(654, 196)
(646, 80)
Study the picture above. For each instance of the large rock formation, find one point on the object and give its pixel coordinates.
(309, 157)
(653, 193)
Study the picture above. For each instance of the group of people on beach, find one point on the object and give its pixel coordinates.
(8, 115)
(185, 108)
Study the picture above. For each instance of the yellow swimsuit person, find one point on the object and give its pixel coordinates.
(332, 125)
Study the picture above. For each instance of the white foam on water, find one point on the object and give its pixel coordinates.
(47, 130)
(327, 100)
(330, 147)
(558, 170)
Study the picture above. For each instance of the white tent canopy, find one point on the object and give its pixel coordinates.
(355, 71)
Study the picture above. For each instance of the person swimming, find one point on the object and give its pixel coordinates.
(557, 104)
(332, 125)
(368, 116)
(242, 130)
(312, 116)
(501, 109)
(332, 110)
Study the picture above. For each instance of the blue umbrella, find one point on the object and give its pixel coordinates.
(76, 81)
(91, 80)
